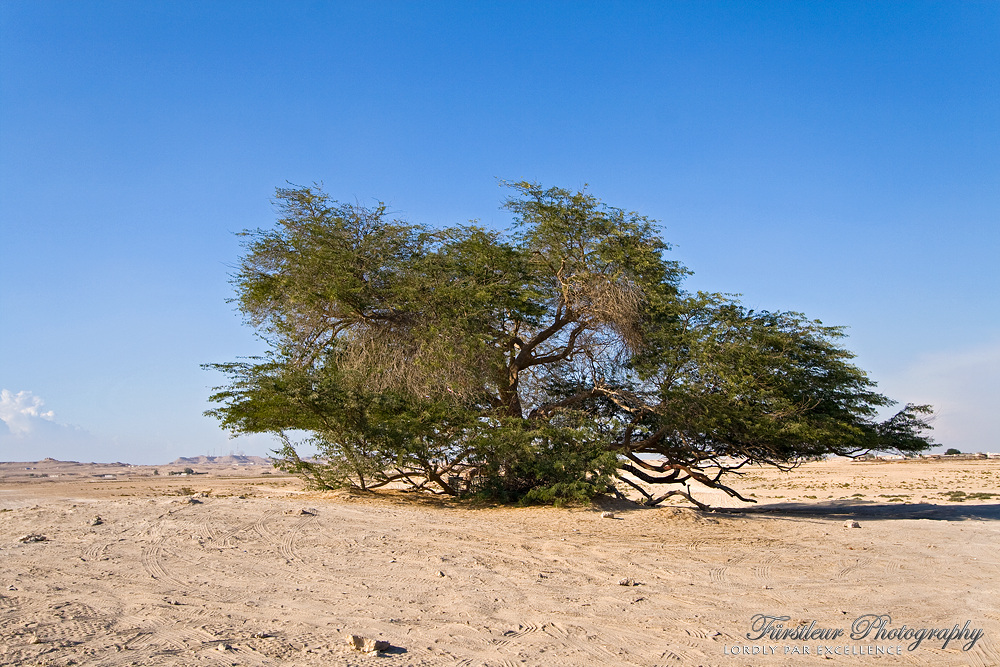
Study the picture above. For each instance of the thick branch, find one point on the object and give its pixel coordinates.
(650, 479)
(557, 356)
(549, 408)
(524, 356)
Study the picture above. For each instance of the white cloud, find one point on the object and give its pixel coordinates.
(22, 411)
(964, 388)
(29, 432)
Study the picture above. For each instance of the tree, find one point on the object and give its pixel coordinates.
(552, 363)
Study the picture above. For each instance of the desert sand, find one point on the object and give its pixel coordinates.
(233, 566)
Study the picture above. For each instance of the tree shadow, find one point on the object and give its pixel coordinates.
(872, 510)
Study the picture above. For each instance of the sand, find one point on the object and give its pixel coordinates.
(258, 571)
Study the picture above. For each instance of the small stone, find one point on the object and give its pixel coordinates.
(851, 524)
(224, 647)
(96, 521)
(260, 635)
(607, 515)
(32, 537)
(440, 574)
(628, 581)
(367, 645)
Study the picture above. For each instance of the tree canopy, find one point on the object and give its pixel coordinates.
(556, 361)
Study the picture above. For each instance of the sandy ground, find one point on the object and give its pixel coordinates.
(259, 572)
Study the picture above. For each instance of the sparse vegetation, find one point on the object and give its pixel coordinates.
(961, 496)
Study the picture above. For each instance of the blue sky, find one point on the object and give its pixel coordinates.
(839, 159)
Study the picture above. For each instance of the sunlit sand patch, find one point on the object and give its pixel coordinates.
(159, 581)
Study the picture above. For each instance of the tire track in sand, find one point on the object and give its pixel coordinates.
(257, 525)
(75, 622)
(152, 555)
(287, 545)
(577, 638)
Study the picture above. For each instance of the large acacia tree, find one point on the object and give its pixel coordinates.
(557, 361)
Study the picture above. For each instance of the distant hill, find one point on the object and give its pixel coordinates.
(231, 459)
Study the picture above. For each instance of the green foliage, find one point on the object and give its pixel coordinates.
(951, 450)
(531, 462)
(539, 366)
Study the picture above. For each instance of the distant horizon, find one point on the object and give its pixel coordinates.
(177, 461)
(180, 460)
